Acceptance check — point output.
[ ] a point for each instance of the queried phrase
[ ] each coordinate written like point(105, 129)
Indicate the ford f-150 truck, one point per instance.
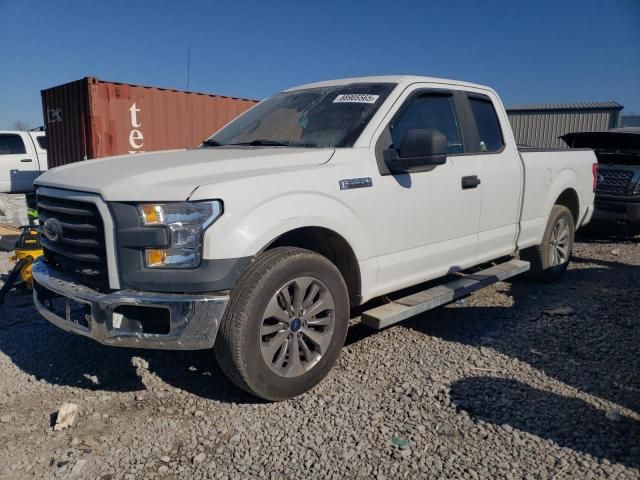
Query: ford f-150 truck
point(319, 199)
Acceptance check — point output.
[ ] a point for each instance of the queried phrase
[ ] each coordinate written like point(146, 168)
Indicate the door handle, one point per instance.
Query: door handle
point(25, 160)
point(472, 181)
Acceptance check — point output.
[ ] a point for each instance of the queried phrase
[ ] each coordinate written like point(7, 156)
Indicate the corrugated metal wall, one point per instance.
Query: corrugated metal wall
point(541, 128)
point(630, 121)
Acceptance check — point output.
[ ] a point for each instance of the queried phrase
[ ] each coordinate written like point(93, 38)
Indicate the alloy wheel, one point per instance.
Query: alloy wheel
point(297, 326)
point(559, 243)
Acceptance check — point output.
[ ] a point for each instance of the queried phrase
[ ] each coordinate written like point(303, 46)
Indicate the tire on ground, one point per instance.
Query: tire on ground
point(237, 346)
point(539, 255)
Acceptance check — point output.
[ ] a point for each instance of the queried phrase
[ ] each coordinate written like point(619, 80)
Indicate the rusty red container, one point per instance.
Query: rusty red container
point(91, 118)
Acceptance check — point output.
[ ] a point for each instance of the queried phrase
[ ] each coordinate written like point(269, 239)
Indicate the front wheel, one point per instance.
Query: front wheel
point(285, 324)
point(550, 259)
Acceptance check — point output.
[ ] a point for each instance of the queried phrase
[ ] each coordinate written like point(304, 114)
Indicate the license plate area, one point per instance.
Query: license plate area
point(75, 312)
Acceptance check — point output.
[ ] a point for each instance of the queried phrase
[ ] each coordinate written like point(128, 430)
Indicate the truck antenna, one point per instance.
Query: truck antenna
point(186, 139)
point(188, 65)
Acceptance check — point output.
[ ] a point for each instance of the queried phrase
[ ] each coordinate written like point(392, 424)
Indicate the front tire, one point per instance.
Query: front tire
point(285, 324)
point(550, 259)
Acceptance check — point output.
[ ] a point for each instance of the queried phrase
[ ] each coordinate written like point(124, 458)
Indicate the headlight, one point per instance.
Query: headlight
point(186, 222)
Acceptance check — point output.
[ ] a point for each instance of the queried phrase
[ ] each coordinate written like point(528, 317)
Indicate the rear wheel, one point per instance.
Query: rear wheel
point(550, 259)
point(285, 324)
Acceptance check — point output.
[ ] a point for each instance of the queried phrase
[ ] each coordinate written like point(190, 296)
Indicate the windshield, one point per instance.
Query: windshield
point(316, 117)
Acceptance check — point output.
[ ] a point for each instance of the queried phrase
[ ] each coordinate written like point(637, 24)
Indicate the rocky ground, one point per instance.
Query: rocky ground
point(13, 209)
point(518, 381)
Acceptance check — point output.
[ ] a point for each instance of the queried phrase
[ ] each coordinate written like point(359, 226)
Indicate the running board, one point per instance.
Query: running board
point(405, 307)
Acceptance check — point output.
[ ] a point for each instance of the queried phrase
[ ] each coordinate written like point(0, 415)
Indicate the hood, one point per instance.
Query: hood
point(617, 138)
point(173, 175)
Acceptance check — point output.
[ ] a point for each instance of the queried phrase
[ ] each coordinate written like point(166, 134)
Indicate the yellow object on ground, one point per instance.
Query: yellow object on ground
point(28, 246)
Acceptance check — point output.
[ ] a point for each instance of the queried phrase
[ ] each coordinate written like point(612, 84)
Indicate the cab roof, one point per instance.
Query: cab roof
point(397, 79)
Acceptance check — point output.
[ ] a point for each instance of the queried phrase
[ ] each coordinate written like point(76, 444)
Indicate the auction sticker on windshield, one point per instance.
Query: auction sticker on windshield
point(356, 98)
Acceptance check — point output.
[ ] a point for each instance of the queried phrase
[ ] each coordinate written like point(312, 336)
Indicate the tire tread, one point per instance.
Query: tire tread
point(228, 348)
point(537, 255)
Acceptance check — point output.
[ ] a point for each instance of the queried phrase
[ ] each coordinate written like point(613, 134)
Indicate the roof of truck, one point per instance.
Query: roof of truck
point(389, 79)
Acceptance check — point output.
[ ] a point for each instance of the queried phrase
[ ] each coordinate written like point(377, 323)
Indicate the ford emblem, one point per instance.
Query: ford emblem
point(52, 229)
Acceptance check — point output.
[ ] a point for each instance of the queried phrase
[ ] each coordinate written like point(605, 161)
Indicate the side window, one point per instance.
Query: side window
point(428, 111)
point(488, 125)
point(42, 141)
point(11, 144)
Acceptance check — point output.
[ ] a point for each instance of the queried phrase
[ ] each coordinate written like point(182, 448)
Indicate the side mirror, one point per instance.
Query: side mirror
point(419, 150)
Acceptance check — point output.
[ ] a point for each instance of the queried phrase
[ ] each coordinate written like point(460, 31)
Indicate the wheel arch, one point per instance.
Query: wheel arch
point(569, 198)
point(330, 244)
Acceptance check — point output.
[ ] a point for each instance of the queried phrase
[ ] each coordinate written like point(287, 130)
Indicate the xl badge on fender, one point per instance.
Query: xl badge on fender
point(349, 183)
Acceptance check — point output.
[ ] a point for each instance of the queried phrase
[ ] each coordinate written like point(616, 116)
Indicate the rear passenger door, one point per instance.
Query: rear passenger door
point(18, 165)
point(41, 144)
point(501, 174)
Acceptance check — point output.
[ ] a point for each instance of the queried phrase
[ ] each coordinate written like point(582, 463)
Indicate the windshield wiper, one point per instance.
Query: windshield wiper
point(210, 143)
point(274, 143)
point(263, 143)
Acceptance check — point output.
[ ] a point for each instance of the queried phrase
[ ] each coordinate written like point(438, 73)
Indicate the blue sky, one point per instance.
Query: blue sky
point(530, 51)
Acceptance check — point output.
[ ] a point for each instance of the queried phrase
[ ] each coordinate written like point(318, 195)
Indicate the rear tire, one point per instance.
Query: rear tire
point(285, 324)
point(550, 259)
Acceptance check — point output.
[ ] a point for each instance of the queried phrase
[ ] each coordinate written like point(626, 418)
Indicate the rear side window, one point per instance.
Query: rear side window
point(42, 141)
point(488, 125)
point(428, 111)
point(11, 144)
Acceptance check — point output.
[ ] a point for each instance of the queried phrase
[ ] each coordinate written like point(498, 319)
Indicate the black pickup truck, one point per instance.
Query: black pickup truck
point(618, 190)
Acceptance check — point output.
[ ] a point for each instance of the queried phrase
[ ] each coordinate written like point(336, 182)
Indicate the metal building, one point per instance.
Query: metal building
point(540, 125)
point(630, 121)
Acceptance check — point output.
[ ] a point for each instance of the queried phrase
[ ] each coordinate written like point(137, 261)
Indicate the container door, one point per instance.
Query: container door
point(66, 117)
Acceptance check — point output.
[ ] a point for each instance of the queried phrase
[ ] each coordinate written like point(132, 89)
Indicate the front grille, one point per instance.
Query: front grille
point(79, 249)
point(614, 182)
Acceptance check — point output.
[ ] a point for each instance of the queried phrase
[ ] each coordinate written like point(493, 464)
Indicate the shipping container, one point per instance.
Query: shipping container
point(91, 118)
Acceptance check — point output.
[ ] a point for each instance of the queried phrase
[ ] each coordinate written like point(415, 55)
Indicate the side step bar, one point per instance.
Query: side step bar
point(403, 308)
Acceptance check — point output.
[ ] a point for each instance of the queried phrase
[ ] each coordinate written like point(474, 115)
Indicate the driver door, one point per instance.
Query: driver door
point(427, 220)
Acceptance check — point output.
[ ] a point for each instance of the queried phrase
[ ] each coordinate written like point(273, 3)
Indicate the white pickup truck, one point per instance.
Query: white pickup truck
point(23, 156)
point(319, 199)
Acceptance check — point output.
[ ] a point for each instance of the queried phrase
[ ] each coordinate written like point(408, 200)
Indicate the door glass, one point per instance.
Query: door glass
point(429, 112)
point(11, 144)
point(488, 125)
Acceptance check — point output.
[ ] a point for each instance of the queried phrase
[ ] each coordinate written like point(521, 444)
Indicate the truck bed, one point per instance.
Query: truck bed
point(527, 149)
point(554, 171)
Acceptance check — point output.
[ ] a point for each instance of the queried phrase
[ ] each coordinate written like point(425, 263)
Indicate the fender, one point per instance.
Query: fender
point(565, 179)
point(247, 233)
point(536, 211)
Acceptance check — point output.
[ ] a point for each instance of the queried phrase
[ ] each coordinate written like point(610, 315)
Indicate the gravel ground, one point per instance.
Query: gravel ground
point(13, 209)
point(518, 381)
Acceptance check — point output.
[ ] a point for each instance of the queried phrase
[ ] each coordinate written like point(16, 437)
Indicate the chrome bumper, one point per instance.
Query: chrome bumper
point(189, 321)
